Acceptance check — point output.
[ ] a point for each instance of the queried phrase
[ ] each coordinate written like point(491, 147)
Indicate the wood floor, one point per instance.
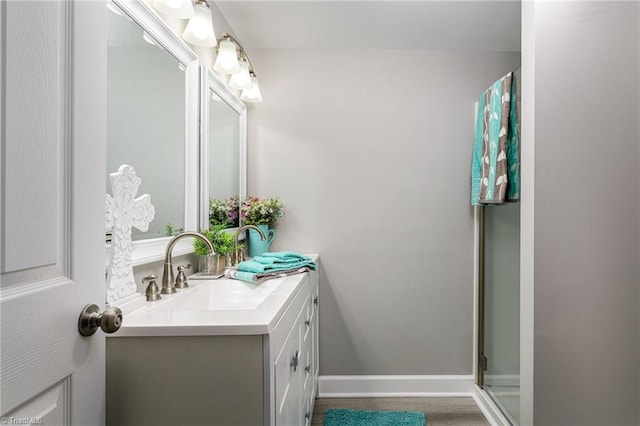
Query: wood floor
point(438, 411)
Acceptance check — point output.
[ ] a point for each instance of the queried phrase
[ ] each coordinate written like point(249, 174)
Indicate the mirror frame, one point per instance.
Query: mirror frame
point(151, 250)
point(211, 82)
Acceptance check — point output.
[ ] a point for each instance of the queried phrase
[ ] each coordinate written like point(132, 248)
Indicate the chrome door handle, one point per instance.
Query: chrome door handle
point(91, 318)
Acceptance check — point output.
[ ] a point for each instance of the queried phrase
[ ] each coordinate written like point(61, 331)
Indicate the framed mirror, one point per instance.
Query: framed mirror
point(223, 148)
point(153, 98)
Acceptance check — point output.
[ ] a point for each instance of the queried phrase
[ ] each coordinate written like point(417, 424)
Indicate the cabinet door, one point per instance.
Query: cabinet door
point(287, 380)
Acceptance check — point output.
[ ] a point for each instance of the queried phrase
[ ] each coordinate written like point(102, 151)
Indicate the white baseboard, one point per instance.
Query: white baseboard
point(395, 386)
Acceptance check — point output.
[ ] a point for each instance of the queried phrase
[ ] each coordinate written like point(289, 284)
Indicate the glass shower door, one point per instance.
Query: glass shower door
point(501, 316)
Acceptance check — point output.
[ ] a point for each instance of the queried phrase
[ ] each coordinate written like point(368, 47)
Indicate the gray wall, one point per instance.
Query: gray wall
point(586, 230)
point(370, 151)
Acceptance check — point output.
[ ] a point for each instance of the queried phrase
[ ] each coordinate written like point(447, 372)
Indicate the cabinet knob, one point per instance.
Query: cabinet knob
point(315, 300)
point(307, 368)
point(294, 361)
point(307, 323)
point(307, 415)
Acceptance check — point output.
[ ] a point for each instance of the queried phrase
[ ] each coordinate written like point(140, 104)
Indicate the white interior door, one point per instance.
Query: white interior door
point(53, 112)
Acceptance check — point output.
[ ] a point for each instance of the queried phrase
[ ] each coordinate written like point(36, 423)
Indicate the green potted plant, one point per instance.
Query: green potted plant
point(223, 243)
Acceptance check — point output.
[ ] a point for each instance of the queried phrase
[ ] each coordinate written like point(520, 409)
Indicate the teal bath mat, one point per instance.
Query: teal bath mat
point(345, 417)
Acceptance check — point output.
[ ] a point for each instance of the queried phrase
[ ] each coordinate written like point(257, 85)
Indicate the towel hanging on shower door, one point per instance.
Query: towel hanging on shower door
point(495, 170)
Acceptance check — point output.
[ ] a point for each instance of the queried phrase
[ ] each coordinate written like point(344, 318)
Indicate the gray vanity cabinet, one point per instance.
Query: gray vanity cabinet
point(254, 379)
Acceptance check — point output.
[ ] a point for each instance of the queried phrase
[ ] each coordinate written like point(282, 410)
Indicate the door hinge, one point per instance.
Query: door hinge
point(483, 362)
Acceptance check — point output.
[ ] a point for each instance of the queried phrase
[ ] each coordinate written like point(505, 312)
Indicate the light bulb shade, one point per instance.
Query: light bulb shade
point(227, 59)
point(241, 80)
point(253, 94)
point(199, 31)
point(182, 9)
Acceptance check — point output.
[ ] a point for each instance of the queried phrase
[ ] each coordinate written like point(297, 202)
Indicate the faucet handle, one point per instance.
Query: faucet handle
point(181, 279)
point(152, 292)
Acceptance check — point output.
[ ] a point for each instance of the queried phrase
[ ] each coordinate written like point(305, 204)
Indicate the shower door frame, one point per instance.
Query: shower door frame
point(480, 359)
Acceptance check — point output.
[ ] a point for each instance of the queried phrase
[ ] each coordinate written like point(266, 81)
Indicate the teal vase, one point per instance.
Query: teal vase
point(258, 246)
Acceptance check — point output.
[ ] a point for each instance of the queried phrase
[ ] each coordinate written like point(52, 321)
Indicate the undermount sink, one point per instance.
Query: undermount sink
point(214, 307)
point(222, 294)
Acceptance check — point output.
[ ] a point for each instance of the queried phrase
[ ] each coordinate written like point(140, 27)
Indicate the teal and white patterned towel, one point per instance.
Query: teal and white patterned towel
point(256, 278)
point(495, 169)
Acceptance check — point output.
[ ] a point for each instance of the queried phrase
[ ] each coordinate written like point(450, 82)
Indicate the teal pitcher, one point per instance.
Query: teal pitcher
point(256, 245)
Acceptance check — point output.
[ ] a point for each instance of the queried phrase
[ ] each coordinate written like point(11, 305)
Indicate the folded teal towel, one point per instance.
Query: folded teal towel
point(285, 256)
point(257, 267)
point(279, 261)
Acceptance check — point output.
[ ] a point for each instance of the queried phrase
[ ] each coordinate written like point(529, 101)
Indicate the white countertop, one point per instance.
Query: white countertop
point(215, 307)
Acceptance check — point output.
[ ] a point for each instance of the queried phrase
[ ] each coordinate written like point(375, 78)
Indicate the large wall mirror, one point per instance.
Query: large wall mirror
point(153, 98)
point(146, 120)
point(223, 149)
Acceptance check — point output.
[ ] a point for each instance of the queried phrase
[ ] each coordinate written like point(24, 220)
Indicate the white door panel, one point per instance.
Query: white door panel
point(35, 92)
point(53, 168)
point(51, 407)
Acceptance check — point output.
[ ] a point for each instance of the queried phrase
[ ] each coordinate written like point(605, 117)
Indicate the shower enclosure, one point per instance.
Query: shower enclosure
point(499, 307)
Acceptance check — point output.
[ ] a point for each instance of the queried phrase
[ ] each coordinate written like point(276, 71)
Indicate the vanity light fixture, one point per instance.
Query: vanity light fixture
point(242, 79)
point(252, 94)
point(199, 31)
point(227, 59)
point(181, 9)
point(232, 59)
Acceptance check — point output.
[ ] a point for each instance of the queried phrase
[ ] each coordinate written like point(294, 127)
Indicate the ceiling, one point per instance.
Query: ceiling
point(361, 24)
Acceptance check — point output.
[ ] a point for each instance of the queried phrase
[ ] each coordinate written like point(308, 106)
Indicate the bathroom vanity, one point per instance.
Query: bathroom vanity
point(220, 352)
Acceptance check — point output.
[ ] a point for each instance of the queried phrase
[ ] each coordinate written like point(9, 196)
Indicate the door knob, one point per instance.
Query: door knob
point(91, 318)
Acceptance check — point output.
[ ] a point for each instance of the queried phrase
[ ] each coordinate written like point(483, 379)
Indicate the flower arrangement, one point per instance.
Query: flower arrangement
point(224, 212)
point(261, 212)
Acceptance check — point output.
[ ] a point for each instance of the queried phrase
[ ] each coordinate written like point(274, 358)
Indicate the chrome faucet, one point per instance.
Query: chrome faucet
point(168, 284)
point(242, 228)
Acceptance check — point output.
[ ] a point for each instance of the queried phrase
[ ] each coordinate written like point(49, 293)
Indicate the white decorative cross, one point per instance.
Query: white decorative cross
point(123, 212)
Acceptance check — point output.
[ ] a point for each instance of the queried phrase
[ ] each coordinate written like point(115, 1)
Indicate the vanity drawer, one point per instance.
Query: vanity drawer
point(289, 317)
